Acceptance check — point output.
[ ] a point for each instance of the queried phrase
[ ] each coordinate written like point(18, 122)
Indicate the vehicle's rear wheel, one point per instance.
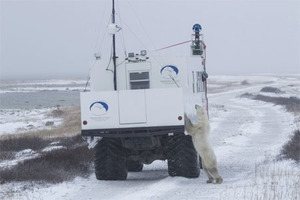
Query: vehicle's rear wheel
point(183, 160)
point(110, 164)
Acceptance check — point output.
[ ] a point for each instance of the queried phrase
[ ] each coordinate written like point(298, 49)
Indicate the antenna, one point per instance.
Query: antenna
point(114, 47)
point(197, 48)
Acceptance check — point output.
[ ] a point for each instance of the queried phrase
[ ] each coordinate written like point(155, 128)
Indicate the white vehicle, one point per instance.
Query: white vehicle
point(134, 113)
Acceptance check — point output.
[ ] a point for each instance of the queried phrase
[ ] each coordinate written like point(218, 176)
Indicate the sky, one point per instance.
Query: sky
point(58, 39)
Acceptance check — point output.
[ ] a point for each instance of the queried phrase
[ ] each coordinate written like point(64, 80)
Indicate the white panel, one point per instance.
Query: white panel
point(164, 106)
point(177, 78)
point(101, 79)
point(132, 106)
point(99, 109)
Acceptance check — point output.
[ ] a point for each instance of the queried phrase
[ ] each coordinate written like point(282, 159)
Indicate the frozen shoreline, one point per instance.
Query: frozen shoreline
point(17, 121)
point(27, 105)
point(41, 85)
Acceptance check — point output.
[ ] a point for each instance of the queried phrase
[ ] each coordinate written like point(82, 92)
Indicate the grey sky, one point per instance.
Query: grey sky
point(57, 39)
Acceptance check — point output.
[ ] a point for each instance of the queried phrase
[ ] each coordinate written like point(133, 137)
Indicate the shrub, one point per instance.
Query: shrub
point(248, 95)
point(291, 150)
point(54, 167)
point(36, 143)
point(245, 82)
point(6, 155)
point(271, 90)
point(292, 104)
point(21, 143)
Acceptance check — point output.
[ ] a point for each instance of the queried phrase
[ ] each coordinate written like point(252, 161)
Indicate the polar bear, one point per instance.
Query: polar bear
point(200, 137)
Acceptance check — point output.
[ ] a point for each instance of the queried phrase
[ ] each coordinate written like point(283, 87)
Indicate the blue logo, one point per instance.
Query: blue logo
point(99, 108)
point(169, 71)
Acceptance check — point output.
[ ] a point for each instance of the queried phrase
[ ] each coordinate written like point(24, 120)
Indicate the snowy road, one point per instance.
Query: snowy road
point(245, 133)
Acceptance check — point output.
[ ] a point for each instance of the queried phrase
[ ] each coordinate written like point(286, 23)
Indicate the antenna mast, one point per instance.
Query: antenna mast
point(114, 47)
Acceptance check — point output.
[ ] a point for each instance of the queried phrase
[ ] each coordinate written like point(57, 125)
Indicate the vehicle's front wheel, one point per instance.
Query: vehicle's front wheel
point(110, 164)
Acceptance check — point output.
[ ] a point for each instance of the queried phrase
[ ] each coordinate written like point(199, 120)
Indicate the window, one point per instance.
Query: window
point(193, 74)
point(139, 80)
point(200, 86)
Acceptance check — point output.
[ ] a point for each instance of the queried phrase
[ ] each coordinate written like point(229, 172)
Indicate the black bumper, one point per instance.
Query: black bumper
point(133, 132)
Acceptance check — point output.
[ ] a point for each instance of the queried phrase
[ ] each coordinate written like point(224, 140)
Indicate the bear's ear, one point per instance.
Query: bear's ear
point(197, 106)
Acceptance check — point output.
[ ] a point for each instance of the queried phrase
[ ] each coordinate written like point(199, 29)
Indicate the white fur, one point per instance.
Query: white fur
point(200, 136)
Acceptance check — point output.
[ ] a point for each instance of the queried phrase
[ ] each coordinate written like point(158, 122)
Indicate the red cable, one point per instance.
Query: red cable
point(173, 45)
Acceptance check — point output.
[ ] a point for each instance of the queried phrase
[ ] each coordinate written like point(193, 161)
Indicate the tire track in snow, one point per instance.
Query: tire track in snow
point(250, 131)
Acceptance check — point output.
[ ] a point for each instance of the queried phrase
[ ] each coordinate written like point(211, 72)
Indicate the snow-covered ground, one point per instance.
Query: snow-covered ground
point(14, 121)
point(247, 136)
point(27, 104)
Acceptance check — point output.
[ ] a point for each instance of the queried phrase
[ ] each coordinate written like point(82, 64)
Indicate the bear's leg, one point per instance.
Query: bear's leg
point(210, 178)
point(214, 172)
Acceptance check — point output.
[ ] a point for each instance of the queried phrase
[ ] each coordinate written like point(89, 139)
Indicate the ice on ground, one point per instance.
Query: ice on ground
point(24, 153)
point(20, 156)
point(52, 148)
point(14, 121)
point(41, 85)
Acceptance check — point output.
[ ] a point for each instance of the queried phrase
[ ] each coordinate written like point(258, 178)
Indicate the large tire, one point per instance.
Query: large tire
point(134, 166)
point(110, 164)
point(183, 160)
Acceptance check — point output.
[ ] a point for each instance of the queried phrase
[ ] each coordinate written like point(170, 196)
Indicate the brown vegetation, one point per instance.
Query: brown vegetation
point(292, 104)
point(53, 166)
point(69, 127)
point(291, 150)
point(58, 165)
point(271, 90)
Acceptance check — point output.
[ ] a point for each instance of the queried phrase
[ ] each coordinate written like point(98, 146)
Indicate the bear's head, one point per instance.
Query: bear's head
point(201, 112)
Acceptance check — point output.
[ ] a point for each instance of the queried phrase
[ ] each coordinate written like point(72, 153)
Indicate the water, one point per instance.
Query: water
point(35, 94)
point(41, 99)
point(25, 105)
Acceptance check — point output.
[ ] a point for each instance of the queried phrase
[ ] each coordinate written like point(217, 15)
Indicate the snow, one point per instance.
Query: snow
point(247, 136)
point(41, 85)
point(46, 88)
point(14, 121)
point(51, 148)
point(20, 156)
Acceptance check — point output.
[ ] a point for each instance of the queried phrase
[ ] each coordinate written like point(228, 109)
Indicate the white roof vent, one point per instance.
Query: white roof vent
point(143, 52)
point(113, 29)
